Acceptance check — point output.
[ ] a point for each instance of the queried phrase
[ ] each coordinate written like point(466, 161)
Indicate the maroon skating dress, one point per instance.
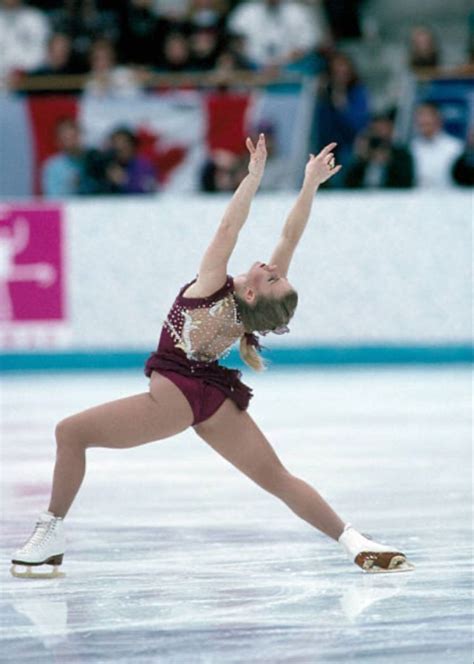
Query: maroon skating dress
point(197, 332)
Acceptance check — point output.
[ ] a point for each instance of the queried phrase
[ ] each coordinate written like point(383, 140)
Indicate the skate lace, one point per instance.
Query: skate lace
point(42, 534)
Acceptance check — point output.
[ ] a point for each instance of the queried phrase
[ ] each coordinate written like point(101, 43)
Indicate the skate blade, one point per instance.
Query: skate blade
point(384, 562)
point(29, 574)
point(402, 567)
point(54, 561)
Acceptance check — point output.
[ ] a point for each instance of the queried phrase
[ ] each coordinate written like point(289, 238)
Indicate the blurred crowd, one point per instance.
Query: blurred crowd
point(368, 149)
point(118, 44)
point(116, 168)
point(128, 38)
point(432, 159)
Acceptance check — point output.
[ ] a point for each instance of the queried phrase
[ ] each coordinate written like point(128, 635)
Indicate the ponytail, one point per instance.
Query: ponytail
point(249, 352)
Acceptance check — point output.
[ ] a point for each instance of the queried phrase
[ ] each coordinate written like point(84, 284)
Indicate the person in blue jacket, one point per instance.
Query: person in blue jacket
point(342, 110)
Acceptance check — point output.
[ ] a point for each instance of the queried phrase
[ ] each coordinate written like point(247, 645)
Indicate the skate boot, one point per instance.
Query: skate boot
point(45, 547)
point(371, 556)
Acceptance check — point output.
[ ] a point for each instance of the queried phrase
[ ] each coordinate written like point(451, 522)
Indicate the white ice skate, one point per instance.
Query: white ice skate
point(45, 547)
point(371, 556)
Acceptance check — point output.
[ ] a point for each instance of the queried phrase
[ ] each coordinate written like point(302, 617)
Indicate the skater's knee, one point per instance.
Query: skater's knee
point(67, 431)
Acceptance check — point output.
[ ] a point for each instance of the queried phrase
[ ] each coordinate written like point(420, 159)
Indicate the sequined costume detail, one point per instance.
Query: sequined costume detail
point(198, 332)
point(207, 331)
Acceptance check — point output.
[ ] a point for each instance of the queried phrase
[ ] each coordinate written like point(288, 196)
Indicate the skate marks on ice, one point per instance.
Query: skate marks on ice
point(173, 556)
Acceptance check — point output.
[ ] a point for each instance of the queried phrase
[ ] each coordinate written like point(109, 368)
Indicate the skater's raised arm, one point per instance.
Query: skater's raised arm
point(213, 267)
point(238, 209)
point(318, 169)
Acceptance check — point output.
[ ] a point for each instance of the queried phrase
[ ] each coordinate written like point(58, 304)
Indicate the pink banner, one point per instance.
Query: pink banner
point(32, 276)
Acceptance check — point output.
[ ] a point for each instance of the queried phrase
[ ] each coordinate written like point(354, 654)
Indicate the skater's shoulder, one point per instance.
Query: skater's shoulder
point(207, 287)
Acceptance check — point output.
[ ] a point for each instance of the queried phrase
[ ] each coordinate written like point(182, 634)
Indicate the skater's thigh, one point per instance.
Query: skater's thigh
point(235, 435)
point(142, 418)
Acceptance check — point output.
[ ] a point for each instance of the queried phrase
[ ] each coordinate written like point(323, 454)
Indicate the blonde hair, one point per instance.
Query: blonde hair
point(267, 313)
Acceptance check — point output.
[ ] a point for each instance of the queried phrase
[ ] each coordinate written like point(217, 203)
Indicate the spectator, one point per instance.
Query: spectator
point(176, 53)
point(141, 34)
point(276, 32)
point(45, 5)
point(205, 49)
point(173, 10)
point(342, 110)
point(124, 171)
point(433, 149)
point(207, 14)
point(378, 161)
point(423, 48)
point(106, 79)
point(85, 22)
point(172, 18)
point(23, 40)
point(223, 172)
point(343, 17)
point(470, 40)
point(463, 168)
point(58, 57)
point(62, 173)
point(233, 58)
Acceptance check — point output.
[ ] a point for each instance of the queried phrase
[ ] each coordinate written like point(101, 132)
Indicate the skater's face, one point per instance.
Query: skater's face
point(266, 280)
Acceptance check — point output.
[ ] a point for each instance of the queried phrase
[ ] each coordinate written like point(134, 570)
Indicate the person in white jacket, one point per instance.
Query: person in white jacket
point(24, 34)
point(276, 32)
point(434, 150)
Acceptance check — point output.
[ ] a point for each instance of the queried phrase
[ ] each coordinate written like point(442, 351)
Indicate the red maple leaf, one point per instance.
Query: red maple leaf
point(164, 159)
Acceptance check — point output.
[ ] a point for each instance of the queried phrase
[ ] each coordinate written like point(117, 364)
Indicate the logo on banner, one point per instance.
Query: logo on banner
point(32, 279)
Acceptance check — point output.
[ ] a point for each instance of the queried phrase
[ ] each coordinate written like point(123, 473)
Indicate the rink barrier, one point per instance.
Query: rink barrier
point(375, 269)
point(328, 355)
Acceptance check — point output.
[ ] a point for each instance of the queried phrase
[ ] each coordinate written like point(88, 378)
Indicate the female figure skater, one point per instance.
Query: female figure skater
point(188, 387)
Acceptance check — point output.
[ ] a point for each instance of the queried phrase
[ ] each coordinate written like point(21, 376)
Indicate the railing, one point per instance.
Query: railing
point(151, 80)
point(431, 73)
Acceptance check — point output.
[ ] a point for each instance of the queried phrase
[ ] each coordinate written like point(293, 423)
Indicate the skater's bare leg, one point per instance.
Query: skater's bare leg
point(234, 434)
point(154, 415)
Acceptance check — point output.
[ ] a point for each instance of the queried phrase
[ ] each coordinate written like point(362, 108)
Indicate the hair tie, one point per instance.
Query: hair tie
point(252, 340)
point(282, 329)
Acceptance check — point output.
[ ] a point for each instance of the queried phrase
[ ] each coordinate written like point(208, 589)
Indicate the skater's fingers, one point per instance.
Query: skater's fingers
point(336, 169)
point(327, 149)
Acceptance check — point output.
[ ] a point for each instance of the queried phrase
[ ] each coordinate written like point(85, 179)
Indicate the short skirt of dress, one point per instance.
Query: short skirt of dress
point(205, 385)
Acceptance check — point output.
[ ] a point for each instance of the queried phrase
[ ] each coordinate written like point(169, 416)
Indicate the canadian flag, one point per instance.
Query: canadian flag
point(177, 130)
point(171, 129)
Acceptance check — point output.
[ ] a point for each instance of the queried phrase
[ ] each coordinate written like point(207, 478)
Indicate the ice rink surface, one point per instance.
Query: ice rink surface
point(173, 556)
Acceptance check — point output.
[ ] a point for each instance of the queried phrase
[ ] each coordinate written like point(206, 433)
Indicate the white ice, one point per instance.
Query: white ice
point(174, 556)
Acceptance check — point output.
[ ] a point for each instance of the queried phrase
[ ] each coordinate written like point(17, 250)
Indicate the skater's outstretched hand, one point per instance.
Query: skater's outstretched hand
point(321, 167)
point(258, 155)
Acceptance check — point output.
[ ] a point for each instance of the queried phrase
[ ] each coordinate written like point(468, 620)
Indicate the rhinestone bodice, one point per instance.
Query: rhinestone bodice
point(204, 328)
